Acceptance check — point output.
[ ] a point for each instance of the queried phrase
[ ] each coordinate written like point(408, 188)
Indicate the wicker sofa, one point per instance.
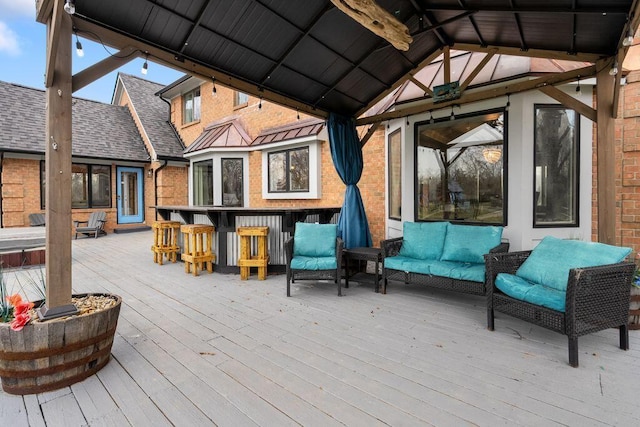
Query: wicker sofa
point(571, 287)
point(441, 255)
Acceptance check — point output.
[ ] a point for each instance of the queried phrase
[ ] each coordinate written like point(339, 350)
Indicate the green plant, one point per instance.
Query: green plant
point(6, 309)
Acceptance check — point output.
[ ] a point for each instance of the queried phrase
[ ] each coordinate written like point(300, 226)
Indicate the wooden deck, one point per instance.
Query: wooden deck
point(215, 350)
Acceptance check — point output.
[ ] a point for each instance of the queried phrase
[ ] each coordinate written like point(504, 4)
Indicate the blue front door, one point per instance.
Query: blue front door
point(130, 195)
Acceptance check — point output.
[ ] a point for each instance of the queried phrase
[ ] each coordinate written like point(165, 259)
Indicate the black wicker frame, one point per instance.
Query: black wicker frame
point(391, 247)
point(296, 274)
point(597, 299)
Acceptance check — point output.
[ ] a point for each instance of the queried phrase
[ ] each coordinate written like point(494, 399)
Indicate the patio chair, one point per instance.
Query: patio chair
point(94, 225)
point(568, 286)
point(314, 253)
point(37, 220)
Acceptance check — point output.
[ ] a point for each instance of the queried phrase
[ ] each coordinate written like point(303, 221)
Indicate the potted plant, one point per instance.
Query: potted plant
point(38, 356)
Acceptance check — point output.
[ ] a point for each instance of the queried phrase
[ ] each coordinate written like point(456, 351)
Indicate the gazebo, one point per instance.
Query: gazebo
point(323, 57)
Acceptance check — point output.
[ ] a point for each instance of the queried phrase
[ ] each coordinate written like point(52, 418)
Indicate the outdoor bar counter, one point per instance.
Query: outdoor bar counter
point(281, 222)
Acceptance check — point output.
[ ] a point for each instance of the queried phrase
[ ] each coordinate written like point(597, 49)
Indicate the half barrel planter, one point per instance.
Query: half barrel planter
point(49, 355)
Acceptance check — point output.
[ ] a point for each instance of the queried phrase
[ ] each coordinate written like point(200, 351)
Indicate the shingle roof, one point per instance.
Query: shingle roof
point(224, 133)
point(102, 131)
point(153, 113)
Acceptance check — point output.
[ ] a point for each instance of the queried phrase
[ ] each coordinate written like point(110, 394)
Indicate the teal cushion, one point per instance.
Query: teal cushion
point(314, 263)
point(550, 261)
point(521, 289)
point(315, 240)
point(469, 243)
point(458, 270)
point(423, 240)
point(404, 263)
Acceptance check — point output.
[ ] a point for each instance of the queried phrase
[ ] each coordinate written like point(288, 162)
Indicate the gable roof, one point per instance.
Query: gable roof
point(153, 114)
point(100, 131)
point(224, 133)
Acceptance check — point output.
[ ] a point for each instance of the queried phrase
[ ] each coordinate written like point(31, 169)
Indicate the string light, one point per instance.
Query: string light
point(628, 40)
point(506, 107)
point(79, 50)
point(614, 69)
point(578, 90)
point(297, 114)
point(431, 118)
point(260, 104)
point(452, 116)
point(214, 90)
point(407, 120)
point(145, 66)
point(70, 7)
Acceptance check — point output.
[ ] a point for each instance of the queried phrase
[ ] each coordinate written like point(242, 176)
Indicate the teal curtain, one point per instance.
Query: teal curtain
point(346, 151)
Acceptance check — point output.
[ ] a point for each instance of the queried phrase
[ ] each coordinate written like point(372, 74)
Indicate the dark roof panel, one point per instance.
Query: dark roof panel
point(101, 131)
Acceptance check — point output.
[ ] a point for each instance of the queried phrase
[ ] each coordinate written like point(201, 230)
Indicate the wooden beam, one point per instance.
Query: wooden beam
point(606, 163)
point(477, 70)
point(570, 102)
point(104, 67)
point(161, 56)
point(422, 86)
point(447, 65)
point(58, 170)
point(44, 10)
point(481, 95)
point(372, 129)
point(53, 39)
point(401, 80)
point(377, 20)
point(529, 53)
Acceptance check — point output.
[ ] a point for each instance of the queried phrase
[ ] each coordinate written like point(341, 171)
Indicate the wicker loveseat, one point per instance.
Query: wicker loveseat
point(441, 255)
point(571, 287)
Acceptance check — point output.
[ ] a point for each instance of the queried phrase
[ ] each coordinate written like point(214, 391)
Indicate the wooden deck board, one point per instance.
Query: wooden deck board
point(215, 350)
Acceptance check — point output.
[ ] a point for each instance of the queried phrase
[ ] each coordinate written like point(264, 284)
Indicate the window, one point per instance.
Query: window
point(556, 166)
point(90, 185)
point(289, 170)
point(395, 175)
point(203, 183)
point(240, 99)
point(461, 172)
point(191, 106)
point(232, 194)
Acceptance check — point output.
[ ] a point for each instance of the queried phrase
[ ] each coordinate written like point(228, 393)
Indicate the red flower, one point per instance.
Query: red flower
point(19, 321)
point(22, 308)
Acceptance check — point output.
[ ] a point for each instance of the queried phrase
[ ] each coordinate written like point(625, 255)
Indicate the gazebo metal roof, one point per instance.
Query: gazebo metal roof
point(311, 56)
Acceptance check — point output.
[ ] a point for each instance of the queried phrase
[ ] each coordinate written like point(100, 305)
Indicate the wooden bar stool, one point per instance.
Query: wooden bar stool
point(165, 240)
point(197, 240)
point(247, 260)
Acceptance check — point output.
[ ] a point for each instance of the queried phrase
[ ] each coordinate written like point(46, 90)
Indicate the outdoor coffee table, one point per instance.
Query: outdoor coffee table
point(363, 254)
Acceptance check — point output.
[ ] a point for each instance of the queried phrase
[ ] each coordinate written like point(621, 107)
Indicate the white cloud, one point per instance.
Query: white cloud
point(18, 8)
point(8, 40)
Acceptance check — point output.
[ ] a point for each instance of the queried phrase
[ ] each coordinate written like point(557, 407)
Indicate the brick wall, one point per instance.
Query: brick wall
point(627, 142)
point(255, 120)
point(20, 191)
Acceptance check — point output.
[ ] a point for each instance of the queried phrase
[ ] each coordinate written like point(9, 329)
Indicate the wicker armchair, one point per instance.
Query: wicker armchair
point(313, 267)
point(597, 298)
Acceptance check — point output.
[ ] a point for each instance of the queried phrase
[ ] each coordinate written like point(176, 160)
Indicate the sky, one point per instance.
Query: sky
point(23, 55)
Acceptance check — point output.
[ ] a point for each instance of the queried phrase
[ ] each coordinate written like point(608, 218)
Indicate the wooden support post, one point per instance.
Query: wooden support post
point(58, 170)
point(606, 166)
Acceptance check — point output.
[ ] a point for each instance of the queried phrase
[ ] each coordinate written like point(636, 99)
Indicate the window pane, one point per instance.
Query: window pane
point(43, 186)
point(79, 186)
point(278, 172)
point(299, 169)
point(196, 104)
point(187, 116)
point(203, 183)
point(556, 167)
point(240, 98)
point(232, 182)
point(460, 169)
point(100, 186)
point(395, 175)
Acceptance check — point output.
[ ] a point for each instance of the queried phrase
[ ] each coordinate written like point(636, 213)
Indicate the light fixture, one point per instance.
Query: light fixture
point(492, 155)
point(578, 89)
point(628, 40)
point(79, 50)
point(214, 90)
point(614, 69)
point(452, 116)
point(145, 66)
point(297, 114)
point(506, 107)
point(407, 120)
point(70, 7)
point(150, 173)
point(260, 104)
point(431, 118)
